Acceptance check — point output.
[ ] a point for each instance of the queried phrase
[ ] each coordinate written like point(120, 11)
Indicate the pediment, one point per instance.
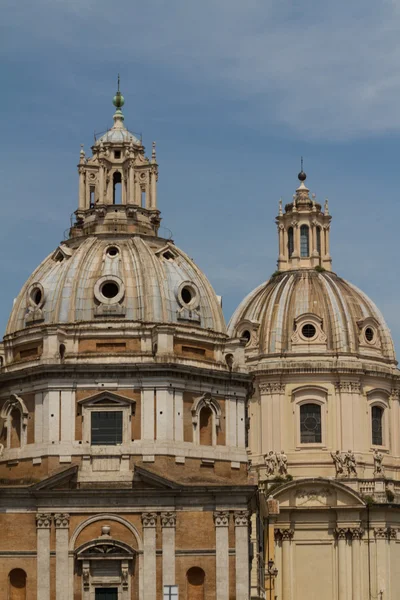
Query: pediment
point(104, 397)
point(145, 479)
point(63, 480)
point(315, 493)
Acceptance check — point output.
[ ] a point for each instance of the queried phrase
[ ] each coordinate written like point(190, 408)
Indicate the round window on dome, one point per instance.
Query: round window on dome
point(188, 295)
point(112, 251)
point(369, 334)
point(36, 295)
point(110, 289)
point(308, 331)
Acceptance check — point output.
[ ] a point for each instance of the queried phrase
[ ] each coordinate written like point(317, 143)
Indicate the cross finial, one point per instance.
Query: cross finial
point(300, 161)
point(119, 81)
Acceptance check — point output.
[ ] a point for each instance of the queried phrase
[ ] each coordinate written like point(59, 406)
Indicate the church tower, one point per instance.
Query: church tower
point(123, 463)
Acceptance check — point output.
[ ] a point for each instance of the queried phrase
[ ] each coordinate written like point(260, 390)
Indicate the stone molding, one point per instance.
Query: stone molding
point(43, 521)
point(168, 519)
point(221, 518)
point(241, 518)
point(61, 520)
point(149, 519)
point(348, 386)
point(271, 388)
point(385, 533)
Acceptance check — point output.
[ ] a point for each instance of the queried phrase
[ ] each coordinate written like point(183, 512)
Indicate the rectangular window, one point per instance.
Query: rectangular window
point(310, 424)
point(106, 594)
point(106, 428)
point(170, 592)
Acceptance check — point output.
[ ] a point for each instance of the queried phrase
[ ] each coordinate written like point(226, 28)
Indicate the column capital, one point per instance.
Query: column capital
point(43, 520)
point(356, 533)
point(381, 533)
point(286, 534)
point(149, 519)
point(241, 518)
point(341, 533)
point(61, 520)
point(168, 519)
point(221, 518)
point(392, 533)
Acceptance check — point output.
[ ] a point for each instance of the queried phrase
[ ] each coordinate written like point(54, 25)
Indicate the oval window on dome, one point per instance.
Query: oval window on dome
point(369, 334)
point(245, 335)
point(308, 331)
point(109, 289)
point(112, 251)
point(36, 295)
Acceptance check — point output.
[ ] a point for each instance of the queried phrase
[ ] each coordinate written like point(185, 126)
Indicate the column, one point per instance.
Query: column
point(287, 536)
point(82, 189)
point(356, 535)
point(154, 189)
point(61, 521)
point(43, 525)
point(241, 520)
point(327, 248)
point(168, 524)
point(101, 184)
point(131, 182)
point(149, 521)
point(221, 520)
point(341, 544)
point(381, 540)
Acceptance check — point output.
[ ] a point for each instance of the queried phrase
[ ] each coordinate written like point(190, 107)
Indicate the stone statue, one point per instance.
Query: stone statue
point(339, 463)
point(281, 460)
point(379, 470)
point(350, 463)
point(1, 449)
point(270, 463)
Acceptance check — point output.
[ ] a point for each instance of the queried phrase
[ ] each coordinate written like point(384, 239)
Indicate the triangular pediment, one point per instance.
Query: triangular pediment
point(104, 397)
point(145, 479)
point(63, 480)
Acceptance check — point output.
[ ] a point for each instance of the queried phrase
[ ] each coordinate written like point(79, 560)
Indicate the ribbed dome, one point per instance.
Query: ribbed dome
point(126, 277)
point(345, 318)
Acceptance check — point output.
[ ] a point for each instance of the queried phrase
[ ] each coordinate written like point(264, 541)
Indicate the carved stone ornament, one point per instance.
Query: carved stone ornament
point(379, 469)
point(149, 519)
point(287, 534)
point(338, 461)
point(221, 518)
point(125, 576)
point(356, 533)
point(43, 521)
point(1, 449)
point(348, 386)
point(61, 520)
point(392, 533)
point(381, 533)
point(341, 533)
point(395, 394)
point(168, 519)
point(313, 495)
point(272, 388)
point(86, 577)
point(241, 518)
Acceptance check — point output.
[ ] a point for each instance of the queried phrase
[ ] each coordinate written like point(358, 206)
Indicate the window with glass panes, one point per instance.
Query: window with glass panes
point(304, 241)
point(170, 592)
point(310, 424)
point(106, 427)
point(377, 418)
point(290, 241)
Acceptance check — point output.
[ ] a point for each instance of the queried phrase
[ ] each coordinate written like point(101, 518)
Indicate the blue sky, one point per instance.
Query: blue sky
point(234, 93)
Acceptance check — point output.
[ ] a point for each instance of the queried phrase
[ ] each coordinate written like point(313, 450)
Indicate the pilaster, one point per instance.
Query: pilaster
point(221, 520)
point(168, 525)
point(43, 526)
point(61, 521)
point(241, 520)
point(149, 522)
point(287, 536)
point(341, 535)
point(356, 535)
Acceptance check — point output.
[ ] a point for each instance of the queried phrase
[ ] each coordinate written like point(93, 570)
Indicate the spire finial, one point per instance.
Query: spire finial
point(326, 206)
point(302, 176)
point(82, 154)
point(153, 152)
point(280, 207)
point(118, 82)
point(118, 99)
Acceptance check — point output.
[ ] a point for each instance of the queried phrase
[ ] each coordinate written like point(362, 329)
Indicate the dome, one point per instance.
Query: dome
point(132, 278)
point(310, 311)
point(118, 136)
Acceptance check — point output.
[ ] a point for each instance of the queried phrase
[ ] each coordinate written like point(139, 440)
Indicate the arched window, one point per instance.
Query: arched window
point(304, 241)
point(290, 242)
point(117, 188)
point(376, 425)
point(15, 434)
point(195, 583)
point(17, 584)
point(206, 424)
point(319, 240)
point(310, 424)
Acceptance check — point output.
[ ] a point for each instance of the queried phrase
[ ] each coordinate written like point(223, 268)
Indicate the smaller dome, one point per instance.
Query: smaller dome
point(312, 312)
point(118, 136)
